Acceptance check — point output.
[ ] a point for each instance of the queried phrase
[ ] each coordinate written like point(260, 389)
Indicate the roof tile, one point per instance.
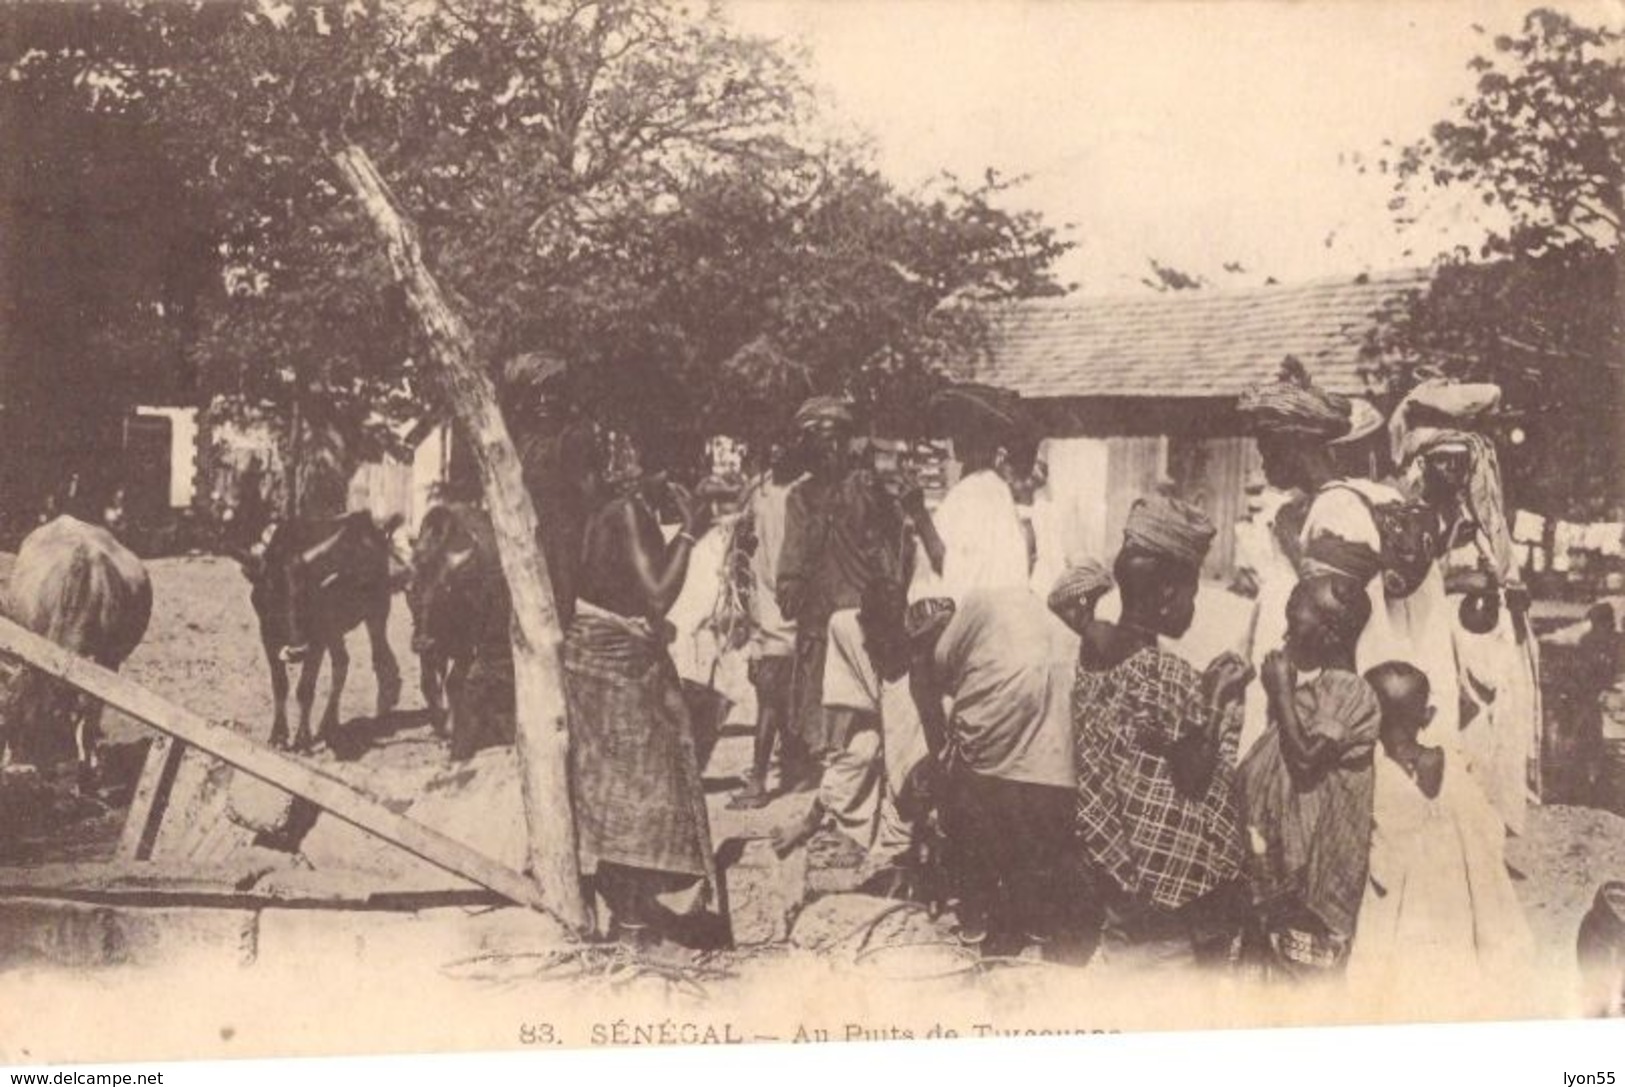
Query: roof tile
point(1186, 344)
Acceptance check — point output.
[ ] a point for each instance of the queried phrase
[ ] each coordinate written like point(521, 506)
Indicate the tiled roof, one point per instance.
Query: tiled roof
point(1194, 344)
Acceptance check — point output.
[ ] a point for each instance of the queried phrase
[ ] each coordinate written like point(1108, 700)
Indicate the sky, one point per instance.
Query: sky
point(1195, 133)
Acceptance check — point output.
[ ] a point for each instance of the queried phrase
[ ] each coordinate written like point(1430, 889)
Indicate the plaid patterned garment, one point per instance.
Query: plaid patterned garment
point(1160, 846)
point(635, 773)
point(1315, 827)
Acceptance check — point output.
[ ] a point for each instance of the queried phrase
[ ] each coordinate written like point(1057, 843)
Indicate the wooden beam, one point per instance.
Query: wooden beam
point(151, 798)
point(224, 742)
point(541, 737)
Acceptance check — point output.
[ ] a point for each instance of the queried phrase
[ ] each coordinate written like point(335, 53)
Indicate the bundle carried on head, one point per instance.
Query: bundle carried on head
point(1437, 412)
point(1169, 528)
point(1292, 406)
point(1364, 421)
point(1077, 584)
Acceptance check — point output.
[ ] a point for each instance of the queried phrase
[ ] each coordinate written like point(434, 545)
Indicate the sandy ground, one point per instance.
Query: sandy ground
point(203, 651)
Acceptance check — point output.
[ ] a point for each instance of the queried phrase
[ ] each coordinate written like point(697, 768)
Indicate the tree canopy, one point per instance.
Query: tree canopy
point(1539, 307)
point(632, 185)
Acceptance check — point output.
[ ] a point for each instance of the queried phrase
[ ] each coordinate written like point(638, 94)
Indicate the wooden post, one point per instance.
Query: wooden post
point(227, 744)
point(151, 798)
point(540, 734)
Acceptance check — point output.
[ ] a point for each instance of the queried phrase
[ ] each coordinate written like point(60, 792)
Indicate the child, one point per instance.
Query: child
point(1439, 906)
point(1306, 785)
point(773, 639)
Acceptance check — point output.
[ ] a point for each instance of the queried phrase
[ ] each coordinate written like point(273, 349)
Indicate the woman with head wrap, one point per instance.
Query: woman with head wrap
point(1306, 786)
point(1357, 528)
point(1454, 469)
point(1156, 747)
point(1295, 425)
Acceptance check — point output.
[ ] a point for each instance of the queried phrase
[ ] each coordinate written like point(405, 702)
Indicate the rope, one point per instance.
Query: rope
point(980, 964)
point(966, 964)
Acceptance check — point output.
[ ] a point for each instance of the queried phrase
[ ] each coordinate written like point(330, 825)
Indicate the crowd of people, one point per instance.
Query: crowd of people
point(958, 703)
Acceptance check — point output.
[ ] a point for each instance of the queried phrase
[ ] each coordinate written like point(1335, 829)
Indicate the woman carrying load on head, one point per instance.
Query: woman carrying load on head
point(1358, 528)
point(1156, 817)
point(1451, 465)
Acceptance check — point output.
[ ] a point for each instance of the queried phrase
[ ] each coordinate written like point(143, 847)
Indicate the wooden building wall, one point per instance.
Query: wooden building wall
point(392, 486)
point(1212, 472)
point(1094, 480)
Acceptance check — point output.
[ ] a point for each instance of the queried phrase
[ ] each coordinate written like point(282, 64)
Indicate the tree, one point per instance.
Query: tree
point(628, 184)
point(512, 129)
point(1540, 140)
point(1539, 307)
point(754, 289)
point(517, 134)
point(102, 262)
point(1166, 278)
point(625, 183)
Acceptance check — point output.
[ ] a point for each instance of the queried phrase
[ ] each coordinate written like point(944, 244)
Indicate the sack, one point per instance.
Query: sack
point(1408, 532)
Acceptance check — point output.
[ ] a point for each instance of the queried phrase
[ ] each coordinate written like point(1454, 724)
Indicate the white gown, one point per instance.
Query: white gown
point(1500, 677)
point(1440, 926)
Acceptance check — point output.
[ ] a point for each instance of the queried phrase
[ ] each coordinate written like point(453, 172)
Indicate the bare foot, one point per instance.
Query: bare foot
point(787, 838)
point(751, 797)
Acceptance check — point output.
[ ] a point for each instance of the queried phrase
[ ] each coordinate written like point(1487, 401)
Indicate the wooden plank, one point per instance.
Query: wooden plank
point(247, 881)
point(74, 877)
point(225, 743)
point(541, 737)
point(151, 798)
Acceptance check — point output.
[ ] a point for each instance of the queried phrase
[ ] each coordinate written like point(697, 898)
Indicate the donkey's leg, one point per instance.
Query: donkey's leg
point(432, 673)
point(384, 665)
point(87, 739)
point(335, 686)
point(279, 695)
point(460, 723)
point(305, 694)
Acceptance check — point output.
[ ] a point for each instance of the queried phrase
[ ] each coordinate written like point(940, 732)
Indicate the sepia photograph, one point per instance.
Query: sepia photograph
point(543, 525)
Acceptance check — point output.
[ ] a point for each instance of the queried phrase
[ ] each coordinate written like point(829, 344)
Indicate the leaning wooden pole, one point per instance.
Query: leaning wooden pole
point(541, 737)
point(225, 742)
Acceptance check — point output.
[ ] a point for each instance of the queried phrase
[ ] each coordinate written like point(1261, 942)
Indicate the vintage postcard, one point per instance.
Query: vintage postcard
point(554, 524)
